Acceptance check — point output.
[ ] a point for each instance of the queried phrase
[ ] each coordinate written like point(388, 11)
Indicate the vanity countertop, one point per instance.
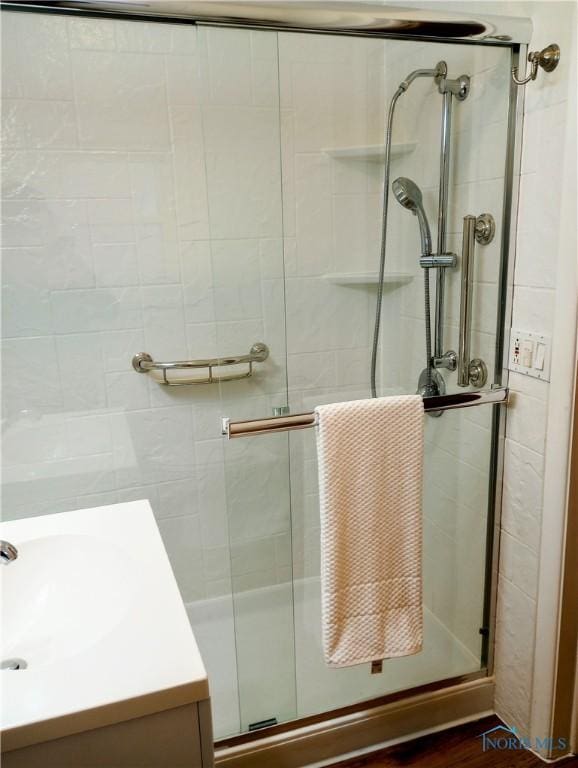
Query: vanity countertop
point(92, 606)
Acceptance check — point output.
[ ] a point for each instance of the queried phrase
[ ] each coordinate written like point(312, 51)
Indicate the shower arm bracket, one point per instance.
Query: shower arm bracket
point(458, 87)
point(449, 360)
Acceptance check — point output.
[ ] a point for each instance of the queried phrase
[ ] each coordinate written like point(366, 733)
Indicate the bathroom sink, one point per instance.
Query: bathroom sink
point(92, 610)
point(46, 616)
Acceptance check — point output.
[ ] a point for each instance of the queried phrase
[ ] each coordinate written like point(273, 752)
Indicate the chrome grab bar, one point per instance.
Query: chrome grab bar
point(468, 246)
point(144, 363)
point(231, 429)
point(480, 229)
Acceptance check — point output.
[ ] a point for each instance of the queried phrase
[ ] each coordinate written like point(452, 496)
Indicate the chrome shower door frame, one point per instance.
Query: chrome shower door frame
point(342, 17)
point(501, 372)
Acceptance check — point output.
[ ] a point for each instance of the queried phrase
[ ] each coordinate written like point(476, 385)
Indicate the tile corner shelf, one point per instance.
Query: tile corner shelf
point(372, 152)
point(368, 278)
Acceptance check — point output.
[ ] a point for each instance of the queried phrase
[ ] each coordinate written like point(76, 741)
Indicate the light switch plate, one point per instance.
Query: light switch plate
point(530, 354)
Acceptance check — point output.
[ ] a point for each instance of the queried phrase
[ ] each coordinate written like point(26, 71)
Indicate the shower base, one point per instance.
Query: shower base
point(243, 639)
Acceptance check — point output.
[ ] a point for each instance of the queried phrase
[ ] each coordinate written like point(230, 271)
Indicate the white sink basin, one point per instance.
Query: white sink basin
point(91, 605)
point(46, 616)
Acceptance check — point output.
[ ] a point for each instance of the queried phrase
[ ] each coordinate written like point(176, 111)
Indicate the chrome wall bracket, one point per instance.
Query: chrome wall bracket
point(478, 372)
point(485, 229)
point(449, 360)
point(547, 59)
point(458, 87)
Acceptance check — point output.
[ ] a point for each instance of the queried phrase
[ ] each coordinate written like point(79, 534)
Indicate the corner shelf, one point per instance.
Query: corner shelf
point(374, 153)
point(368, 278)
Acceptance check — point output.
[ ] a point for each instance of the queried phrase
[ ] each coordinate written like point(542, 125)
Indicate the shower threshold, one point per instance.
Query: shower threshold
point(305, 691)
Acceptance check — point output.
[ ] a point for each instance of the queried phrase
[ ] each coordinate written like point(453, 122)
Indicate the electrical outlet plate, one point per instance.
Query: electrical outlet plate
point(530, 354)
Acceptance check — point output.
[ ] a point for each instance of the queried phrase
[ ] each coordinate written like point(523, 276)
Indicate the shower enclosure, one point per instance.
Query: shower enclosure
point(211, 195)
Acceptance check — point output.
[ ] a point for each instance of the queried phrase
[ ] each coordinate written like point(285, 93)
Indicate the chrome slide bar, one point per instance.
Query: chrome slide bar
point(447, 100)
point(231, 429)
point(144, 363)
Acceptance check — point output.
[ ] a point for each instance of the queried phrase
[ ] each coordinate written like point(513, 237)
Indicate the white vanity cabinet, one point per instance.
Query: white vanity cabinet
point(112, 675)
point(176, 738)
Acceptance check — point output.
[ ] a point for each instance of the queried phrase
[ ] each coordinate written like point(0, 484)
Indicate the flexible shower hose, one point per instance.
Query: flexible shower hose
point(376, 329)
point(388, 129)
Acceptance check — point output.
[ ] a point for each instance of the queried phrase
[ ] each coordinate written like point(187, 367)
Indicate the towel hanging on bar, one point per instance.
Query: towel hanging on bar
point(370, 457)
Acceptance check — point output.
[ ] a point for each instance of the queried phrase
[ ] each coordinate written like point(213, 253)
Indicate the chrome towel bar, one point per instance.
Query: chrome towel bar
point(144, 363)
point(231, 429)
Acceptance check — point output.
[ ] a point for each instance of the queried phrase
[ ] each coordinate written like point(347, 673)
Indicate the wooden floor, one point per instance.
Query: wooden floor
point(461, 746)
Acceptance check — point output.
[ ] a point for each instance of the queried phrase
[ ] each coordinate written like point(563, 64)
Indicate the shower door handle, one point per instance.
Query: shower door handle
point(480, 229)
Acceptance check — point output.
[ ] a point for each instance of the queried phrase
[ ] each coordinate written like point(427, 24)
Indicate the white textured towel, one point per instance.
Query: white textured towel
point(370, 455)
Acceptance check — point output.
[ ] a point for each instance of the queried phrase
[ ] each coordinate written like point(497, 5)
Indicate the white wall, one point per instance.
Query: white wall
point(544, 300)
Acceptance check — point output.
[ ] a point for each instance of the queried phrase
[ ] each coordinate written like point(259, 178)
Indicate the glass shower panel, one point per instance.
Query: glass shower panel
point(241, 124)
point(455, 518)
point(142, 213)
point(332, 132)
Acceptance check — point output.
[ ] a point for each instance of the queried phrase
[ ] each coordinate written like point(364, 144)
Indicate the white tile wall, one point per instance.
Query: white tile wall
point(540, 246)
point(458, 445)
point(333, 208)
point(331, 223)
point(139, 160)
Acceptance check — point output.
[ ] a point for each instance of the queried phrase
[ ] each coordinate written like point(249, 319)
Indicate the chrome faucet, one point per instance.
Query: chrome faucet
point(8, 552)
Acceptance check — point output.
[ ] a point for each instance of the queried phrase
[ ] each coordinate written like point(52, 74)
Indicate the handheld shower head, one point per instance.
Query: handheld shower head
point(408, 194)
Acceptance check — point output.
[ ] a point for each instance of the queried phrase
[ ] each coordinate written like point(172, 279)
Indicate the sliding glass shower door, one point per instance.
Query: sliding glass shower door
point(190, 193)
point(326, 99)
point(251, 659)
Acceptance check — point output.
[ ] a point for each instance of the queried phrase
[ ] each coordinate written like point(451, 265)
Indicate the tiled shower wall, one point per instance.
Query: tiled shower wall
point(458, 445)
point(346, 203)
point(331, 211)
point(144, 212)
point(141, 213)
